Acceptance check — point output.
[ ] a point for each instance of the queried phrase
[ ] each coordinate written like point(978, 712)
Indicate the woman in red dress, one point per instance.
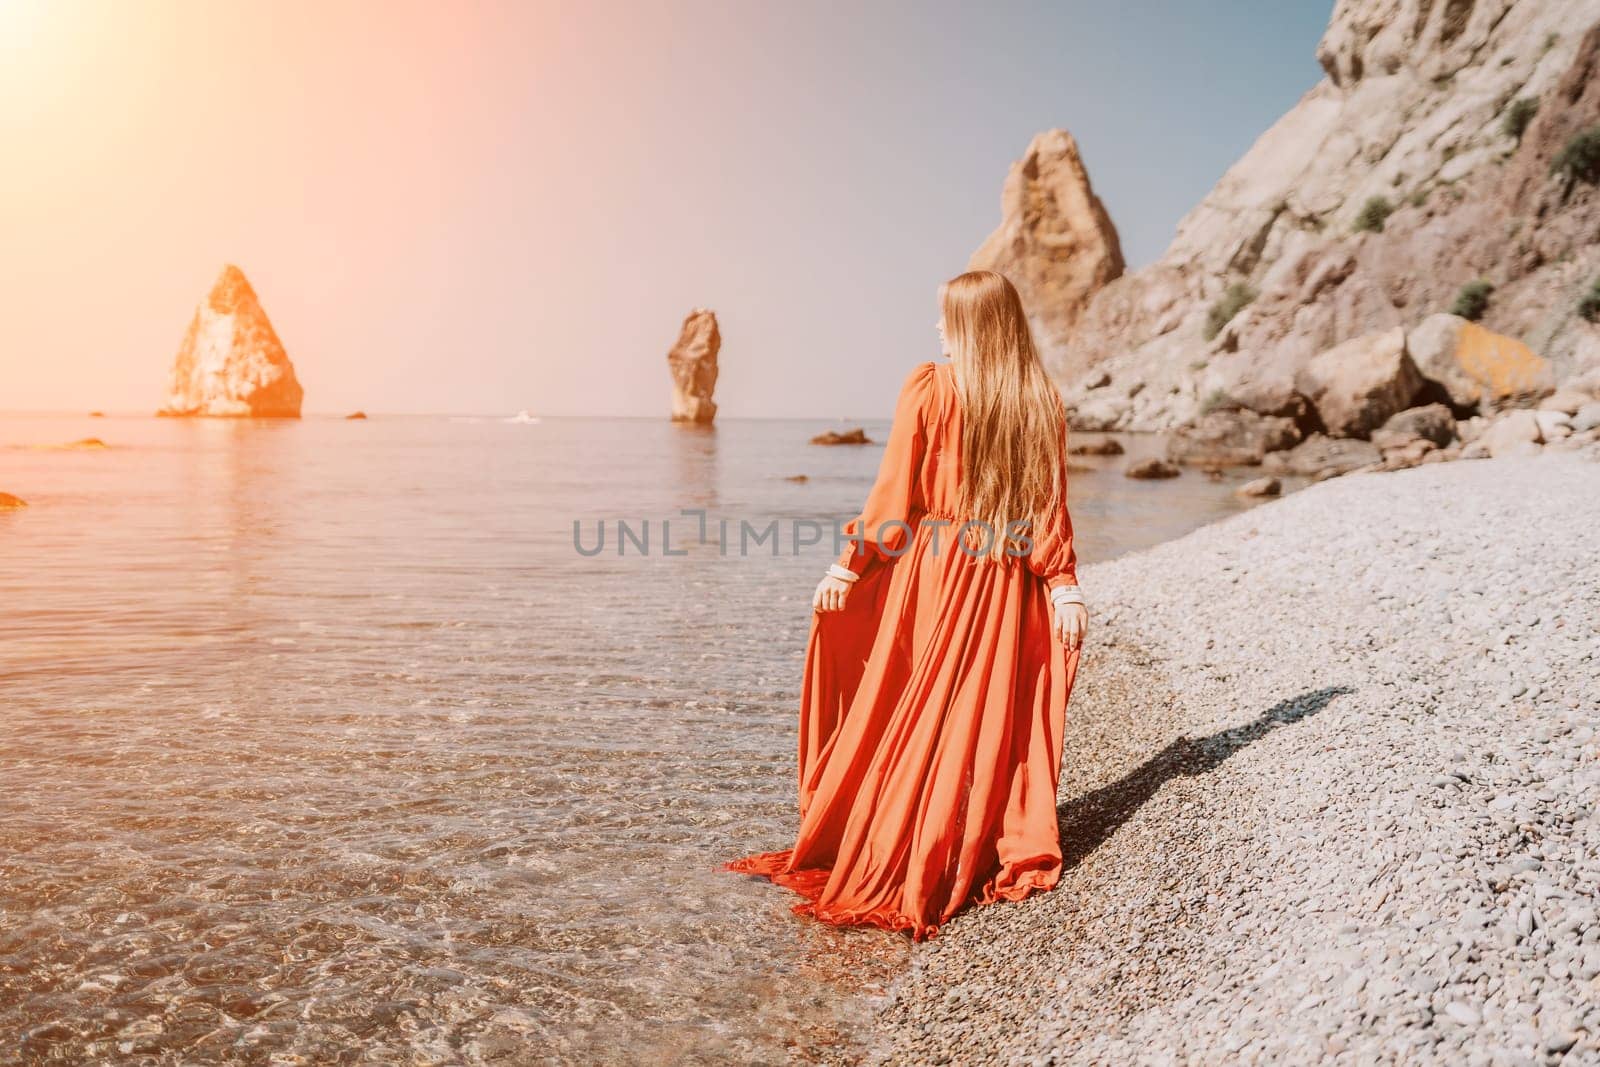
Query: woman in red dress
point(944, 646)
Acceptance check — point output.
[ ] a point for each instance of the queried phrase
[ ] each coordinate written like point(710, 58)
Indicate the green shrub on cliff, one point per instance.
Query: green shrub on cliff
point(1579, 158)
point(1217, 398)
point(1473, 300)
point(1230, 304)
point(1518, 115)
point(1589, 303)
point(1372, 216)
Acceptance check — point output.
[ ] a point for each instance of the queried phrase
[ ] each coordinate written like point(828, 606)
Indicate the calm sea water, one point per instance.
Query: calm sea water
point(320, 740)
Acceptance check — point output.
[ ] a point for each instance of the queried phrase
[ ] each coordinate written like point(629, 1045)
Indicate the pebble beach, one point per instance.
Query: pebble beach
point(1328, 795)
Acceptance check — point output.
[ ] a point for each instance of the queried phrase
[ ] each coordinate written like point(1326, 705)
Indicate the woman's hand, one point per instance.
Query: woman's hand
point(1071, 623)
point(830, 594)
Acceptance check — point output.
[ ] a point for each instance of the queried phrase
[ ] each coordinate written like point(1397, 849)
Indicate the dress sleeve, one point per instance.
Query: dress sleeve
point(881, 530)
point(1053, 557)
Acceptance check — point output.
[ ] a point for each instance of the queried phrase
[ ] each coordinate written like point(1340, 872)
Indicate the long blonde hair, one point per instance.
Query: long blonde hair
point(1012, 429)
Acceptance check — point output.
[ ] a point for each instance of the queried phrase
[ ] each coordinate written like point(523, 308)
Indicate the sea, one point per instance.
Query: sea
point(383, 741)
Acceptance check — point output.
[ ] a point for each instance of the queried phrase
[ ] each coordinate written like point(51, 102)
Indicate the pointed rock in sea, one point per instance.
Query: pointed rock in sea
point(693, 362)
point(231, 362)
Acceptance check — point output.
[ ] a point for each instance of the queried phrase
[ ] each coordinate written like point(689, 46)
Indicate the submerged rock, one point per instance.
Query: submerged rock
point(1055, 240)
point(83, 444)
point(693, 361)
point(356, 415)
point(857, 436)
point(1104, 446)
point(11, 503)
point(1152, 468)
point(231, 362)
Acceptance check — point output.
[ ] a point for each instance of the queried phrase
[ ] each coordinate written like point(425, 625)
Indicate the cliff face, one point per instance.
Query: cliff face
point(1394, 182)
point(693, 362)
point(1055, 241)
point(231, 362)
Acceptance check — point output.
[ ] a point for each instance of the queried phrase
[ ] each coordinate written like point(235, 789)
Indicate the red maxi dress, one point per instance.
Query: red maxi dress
point(933, 704)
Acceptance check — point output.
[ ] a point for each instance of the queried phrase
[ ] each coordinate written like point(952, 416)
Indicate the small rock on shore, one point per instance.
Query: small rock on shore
point(1268, 486)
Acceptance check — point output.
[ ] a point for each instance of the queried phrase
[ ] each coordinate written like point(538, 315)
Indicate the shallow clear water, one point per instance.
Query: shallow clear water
point(321, 740)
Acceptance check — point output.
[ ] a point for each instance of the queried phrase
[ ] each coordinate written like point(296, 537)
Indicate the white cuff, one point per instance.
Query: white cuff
point(1067, 594)
point(844, 574)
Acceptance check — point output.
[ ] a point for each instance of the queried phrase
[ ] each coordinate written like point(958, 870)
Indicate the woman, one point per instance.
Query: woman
point(942, 650)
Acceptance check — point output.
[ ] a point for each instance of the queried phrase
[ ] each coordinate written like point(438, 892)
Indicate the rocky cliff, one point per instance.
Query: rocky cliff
point(231, 362)
point(693, 362)
point(1440, 164)
point(1055, 241)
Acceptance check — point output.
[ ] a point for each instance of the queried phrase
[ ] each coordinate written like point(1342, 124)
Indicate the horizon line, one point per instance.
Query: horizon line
point(345, 416)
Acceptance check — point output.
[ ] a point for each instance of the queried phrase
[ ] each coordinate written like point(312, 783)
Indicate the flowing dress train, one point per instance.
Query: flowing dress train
point(932, 706)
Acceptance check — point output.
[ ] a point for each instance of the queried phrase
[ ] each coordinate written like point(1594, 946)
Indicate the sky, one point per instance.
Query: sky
point(488, 207)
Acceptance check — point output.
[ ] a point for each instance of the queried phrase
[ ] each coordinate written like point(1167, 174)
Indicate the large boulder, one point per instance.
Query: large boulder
point(1268, 390)
point(1231, 438)
point(1477, 367)
point(1567, 400)
point(1587, 418)
point(693, 362)
point(1553, 424)
point(1358, 385)
point(1322, 456)
point(1055, 240)
point(1098, 413)
point(1431, 422)
point(231, 362)
point(1514, 434)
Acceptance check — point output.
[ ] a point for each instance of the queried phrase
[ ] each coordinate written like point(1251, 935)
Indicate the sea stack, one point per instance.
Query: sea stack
point(693, 361)
point(1055, 240)
point(232, 363)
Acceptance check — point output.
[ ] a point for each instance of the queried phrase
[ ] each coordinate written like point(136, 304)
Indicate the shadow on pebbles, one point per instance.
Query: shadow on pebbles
point(1328, 794)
